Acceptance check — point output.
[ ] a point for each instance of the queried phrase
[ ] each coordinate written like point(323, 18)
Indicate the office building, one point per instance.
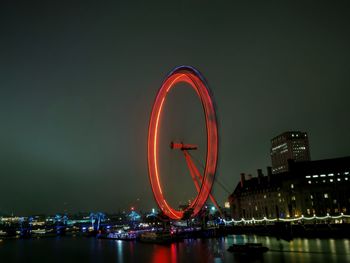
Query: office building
point(291, 145)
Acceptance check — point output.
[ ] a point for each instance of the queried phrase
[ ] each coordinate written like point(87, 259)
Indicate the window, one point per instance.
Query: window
point(293, 198)
point(331, 180)
point(325, 195)
point(292, 186)
point(309, 182)
point(308, 176)
point(315, 176)
point(330, 174)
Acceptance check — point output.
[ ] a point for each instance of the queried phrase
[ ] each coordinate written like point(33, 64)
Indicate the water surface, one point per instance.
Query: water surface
point(80, 249)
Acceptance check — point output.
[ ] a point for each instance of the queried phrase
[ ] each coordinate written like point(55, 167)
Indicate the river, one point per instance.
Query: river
point(80, 249)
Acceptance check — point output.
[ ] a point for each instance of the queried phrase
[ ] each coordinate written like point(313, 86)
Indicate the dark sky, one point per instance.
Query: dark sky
point(78, 79)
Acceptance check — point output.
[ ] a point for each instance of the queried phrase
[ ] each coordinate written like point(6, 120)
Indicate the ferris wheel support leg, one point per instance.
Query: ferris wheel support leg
point(195, 174)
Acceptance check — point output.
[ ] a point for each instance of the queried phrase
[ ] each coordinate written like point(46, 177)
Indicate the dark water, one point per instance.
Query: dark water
point(79, 249)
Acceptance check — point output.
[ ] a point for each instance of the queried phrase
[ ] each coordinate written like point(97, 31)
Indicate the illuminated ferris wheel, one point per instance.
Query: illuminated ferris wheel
point(203, 182)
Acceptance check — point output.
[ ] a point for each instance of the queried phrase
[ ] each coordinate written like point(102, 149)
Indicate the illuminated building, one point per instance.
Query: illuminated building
point(309, 188)
point(291, 145)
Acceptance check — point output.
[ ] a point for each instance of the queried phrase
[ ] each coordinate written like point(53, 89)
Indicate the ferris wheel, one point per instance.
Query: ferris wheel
point(203, 182)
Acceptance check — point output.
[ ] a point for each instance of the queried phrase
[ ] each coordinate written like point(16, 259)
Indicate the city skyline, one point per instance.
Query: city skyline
point(79, 82)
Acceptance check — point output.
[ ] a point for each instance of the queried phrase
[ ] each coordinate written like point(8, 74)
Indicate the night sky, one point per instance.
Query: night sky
point(78, 80)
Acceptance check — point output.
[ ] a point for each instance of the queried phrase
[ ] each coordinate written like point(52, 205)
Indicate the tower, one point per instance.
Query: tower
point(289, 145)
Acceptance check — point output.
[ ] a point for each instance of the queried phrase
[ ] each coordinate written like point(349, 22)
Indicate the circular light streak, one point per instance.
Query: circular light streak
point(192, 77)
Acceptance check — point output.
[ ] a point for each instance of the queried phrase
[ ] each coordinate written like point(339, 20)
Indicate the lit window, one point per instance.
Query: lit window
point(311, 197)
point(324, 181)
point(292, 186)
point(308, 176)
point(330, 174)
point(265, 196)
point(315, 176)
point(331, 180)
point(325, 195)
point(279, 194)
point(346, 178)
point(309, 182)
point(323, 175)
point(293, 198)
point(338, 179)
point(346, 173)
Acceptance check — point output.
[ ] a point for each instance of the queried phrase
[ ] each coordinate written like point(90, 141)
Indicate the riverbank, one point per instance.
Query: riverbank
point(295, 230)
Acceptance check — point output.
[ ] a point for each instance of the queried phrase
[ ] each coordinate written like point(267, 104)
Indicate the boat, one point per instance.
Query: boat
point(246, 248)
point(118, 236)
point(156, 237)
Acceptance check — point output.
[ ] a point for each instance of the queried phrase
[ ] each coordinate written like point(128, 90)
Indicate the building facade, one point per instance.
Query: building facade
point(291, 145)
point(307, 189)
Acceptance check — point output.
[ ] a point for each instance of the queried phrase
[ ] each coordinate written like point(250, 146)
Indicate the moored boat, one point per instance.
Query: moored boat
point(156, 237)
point(118, 236)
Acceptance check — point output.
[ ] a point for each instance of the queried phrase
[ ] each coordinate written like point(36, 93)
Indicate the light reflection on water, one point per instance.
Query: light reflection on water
point(191, 250)
point(347, 246)
point(318, 243)
point(120, 250)
point(332, 245)
point(306, 245)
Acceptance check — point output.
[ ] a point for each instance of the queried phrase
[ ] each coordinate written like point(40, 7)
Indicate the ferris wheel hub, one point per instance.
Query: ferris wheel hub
point(183, 146)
